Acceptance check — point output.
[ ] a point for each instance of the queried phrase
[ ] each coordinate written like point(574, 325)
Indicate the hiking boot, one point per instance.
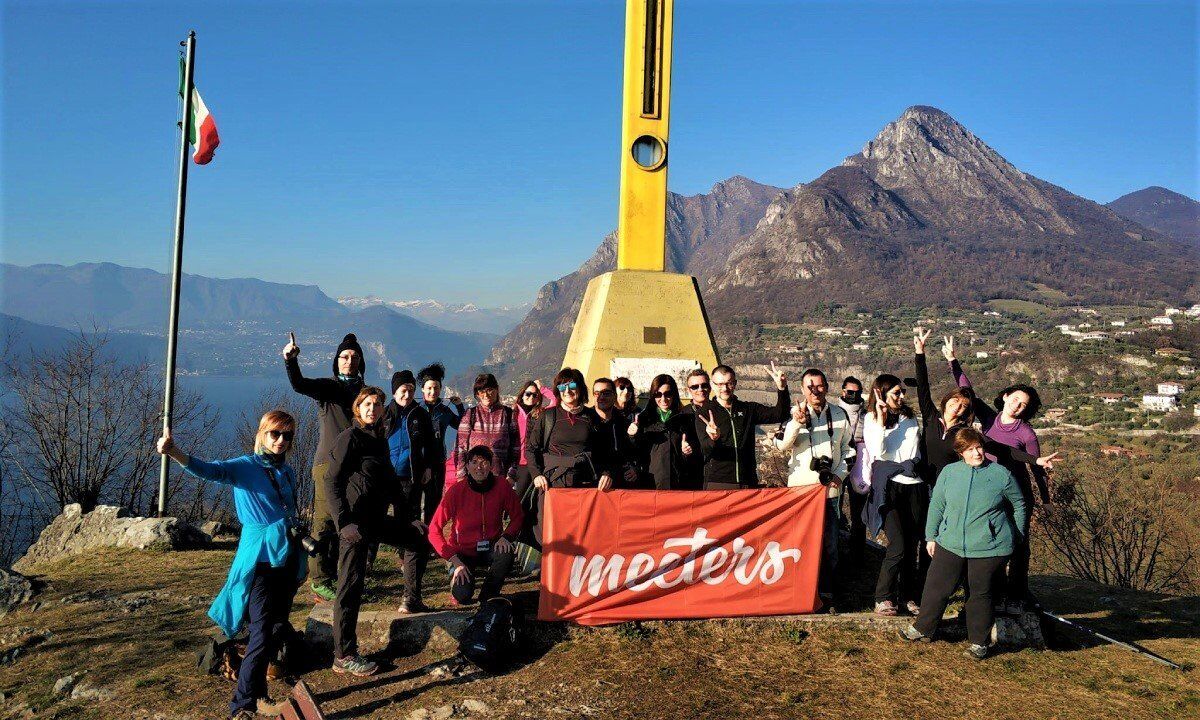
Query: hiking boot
point(912, 608)
point(267, 707)
point(911, 634)
point(410, 606)
point(887, 608)
point(323, 591)
point(355, 665)
point(976, 652)
point(828, 607)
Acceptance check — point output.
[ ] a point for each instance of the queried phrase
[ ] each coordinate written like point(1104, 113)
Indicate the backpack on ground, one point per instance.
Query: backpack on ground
point(490, 640)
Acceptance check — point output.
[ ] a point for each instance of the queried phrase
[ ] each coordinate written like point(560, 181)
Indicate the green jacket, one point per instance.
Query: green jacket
point(976, 512)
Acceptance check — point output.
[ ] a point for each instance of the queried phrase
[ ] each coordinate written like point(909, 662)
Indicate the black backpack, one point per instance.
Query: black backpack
point(490, 640)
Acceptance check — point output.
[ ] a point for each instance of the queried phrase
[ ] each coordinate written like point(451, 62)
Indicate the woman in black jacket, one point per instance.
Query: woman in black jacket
point(360, 485)
point(665, 441)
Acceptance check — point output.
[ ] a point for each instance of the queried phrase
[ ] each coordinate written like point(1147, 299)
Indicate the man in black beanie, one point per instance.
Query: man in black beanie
point(334, 398)
point(410, 445)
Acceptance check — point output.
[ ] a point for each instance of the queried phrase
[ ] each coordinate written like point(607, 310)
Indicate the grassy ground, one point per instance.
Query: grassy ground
point(132, 621)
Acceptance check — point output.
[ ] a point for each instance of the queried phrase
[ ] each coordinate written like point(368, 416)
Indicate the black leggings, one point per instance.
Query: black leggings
point(945, 572)
point(904, 524)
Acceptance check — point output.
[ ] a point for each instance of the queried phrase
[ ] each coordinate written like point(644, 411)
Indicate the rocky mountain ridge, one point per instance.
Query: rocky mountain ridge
point(926, 213)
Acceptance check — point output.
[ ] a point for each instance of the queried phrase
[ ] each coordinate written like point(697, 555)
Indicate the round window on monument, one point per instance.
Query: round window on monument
point(648, 152)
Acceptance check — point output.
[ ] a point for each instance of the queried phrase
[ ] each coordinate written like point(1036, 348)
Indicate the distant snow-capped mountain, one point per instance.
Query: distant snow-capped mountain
point(463, 317)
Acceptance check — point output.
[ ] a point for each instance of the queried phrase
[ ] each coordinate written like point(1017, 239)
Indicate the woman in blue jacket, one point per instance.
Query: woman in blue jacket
point(266, 567)
point(974, 520)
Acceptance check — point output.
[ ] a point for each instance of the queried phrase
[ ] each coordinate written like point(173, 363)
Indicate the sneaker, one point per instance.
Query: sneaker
point(887, 608)
point(355, 665)
point(267, 707)
point(976, 652)
point(323, 591)
point(911, 634)
point(410, 607)
point(912, 608)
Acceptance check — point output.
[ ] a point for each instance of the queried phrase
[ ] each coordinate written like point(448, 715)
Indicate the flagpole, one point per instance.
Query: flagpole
point(177, 263)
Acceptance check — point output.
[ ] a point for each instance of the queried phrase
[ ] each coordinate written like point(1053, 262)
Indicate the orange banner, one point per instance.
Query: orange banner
point(609, 557)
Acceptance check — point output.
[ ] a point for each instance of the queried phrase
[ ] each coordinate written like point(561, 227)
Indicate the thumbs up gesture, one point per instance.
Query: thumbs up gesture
point(685, 447)
point(633, 427)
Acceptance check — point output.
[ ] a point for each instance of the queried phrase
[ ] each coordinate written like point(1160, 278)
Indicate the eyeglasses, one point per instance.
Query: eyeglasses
point(664, 394)
point(728, 383)
point(568, 386)
point(701, 386)
point(285, 434)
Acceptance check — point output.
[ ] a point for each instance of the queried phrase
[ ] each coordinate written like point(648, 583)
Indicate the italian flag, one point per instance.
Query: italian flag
point(202, 130)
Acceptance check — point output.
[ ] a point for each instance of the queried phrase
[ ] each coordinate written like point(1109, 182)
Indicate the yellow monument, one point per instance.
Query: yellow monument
point(639, 320)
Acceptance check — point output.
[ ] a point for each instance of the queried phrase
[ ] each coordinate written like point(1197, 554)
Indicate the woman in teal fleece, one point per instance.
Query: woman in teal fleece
point(266, 568)
point(972, 526)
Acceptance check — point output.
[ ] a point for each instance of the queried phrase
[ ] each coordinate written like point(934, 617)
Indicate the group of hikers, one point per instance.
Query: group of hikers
point(952, 490)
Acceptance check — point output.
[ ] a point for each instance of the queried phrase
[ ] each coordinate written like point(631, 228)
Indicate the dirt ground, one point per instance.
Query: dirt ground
point(131, 623)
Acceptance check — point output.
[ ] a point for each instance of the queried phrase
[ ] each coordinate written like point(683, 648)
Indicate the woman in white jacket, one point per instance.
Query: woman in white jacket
point(892, 437)
point(820, 431)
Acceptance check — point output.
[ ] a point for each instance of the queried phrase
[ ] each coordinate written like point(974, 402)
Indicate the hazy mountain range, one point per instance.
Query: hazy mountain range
point(227, 327)
point(925, 214)
point(1163, 210)
point(466, 317)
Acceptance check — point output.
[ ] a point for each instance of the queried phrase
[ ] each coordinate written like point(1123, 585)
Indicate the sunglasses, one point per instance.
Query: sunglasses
point(664, 394)
point(701, 386)
point(529, 394)
point(285, 434)
point(568, 386)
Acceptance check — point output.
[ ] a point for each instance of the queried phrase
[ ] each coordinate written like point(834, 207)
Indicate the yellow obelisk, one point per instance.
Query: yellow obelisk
point(640, 320)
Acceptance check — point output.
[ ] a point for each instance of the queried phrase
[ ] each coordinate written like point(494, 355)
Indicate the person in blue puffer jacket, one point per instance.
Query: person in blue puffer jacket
point(975, 519)
point(411, 448)
point(267, 567)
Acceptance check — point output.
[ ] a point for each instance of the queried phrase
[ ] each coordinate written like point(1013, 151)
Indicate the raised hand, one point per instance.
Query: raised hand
point(920, 335)
point(948, 347)
point(633, 427)
point(710, 426)
point(779, 376)
point(291, 350)
point(800, 413)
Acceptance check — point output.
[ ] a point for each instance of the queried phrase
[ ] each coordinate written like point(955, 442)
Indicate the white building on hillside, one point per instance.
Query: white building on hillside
point(1160, 403)
point(1162, 320)
point(1193, 311)
point(1170, 388)
point(1117, 323)
point(1172, 311)
point(981, 354)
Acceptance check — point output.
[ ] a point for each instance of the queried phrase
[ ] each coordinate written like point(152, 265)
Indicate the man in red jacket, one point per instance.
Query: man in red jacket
point(468, 528)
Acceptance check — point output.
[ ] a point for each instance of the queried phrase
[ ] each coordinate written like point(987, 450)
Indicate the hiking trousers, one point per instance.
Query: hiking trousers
point(322, 567)
point(497, 565)
point(267, 611)
point(905, 560)
point(945, 572)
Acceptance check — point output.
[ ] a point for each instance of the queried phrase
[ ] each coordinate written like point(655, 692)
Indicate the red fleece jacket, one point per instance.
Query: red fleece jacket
point(466, 516)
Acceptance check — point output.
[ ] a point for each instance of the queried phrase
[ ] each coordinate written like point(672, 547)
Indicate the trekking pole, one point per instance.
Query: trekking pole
point(1128, 646)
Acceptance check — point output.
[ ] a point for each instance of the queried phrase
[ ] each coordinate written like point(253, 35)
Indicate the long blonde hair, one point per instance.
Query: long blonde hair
point(273, 420)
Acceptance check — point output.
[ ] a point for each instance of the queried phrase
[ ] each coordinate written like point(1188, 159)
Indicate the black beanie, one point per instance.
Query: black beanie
point(404, 377)
point(434, 372)
point(350, 343)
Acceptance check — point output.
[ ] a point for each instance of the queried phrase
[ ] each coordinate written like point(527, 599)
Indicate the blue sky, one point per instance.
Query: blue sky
point(468, 151)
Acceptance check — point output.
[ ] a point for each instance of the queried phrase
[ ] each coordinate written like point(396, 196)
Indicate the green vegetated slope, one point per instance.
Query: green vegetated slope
point(132, 620)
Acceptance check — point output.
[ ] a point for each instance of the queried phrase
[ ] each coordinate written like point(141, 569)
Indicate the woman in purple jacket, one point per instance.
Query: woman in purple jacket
point(1007, 421)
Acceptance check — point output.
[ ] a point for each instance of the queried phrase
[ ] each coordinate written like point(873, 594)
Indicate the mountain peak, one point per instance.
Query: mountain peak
point(1171, 213)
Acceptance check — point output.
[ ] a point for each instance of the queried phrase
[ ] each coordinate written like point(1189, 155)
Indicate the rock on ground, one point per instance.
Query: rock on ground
point(76, 533)
point(14, 590)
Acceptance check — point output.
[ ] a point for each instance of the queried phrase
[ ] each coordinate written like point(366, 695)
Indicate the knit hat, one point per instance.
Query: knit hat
point(404, 377)
point(351, 343)
point(435, 372)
